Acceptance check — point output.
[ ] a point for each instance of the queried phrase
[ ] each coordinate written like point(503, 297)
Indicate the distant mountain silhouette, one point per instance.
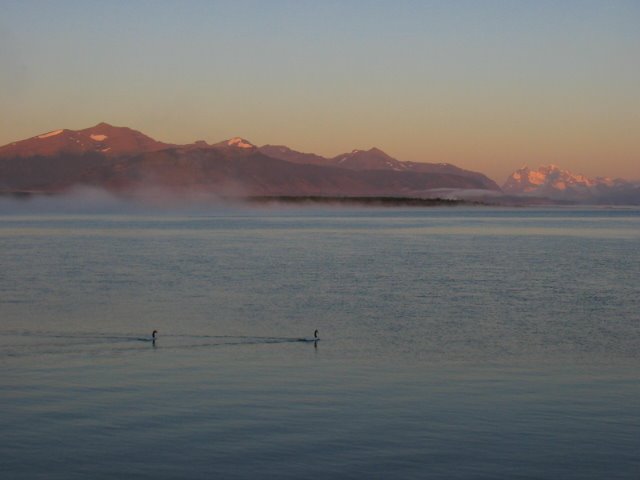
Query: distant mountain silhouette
point(376, 159)
point(121, 159)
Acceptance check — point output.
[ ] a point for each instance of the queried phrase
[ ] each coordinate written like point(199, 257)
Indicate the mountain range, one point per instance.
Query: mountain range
point(123, 160)
point(550, 181)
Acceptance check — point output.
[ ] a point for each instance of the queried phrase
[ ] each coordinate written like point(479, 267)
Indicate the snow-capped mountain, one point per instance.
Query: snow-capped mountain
point(237, 143)
point(553, 182)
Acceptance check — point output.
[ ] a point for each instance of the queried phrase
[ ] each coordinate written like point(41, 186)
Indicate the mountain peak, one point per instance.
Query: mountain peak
point(239, 142)
point(103, 138)
point(371, 151)
point(377, 151)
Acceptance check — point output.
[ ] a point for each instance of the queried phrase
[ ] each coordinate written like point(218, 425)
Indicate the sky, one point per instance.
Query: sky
point(486, 85)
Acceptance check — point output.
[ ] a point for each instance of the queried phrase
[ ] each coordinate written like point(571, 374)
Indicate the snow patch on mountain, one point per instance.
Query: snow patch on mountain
point(98, 138)
point(239, 142)
point(51, 134)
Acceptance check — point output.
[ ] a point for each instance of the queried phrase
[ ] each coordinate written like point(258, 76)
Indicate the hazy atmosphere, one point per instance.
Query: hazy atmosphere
point(489, 86)
point(320, 239)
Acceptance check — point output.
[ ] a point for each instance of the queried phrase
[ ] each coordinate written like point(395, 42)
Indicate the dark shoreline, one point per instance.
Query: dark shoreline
point(362, 201)
point(300, 200)
point(321, 200)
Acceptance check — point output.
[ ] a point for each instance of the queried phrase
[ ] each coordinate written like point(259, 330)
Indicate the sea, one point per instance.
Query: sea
point(454, 343)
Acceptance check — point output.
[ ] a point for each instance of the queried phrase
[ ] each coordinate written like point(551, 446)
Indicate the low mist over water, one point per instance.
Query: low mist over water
point(454, 342)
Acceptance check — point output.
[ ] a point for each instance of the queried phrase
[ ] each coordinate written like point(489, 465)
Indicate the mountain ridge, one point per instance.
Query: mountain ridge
point(121, 158)
point(103, 138)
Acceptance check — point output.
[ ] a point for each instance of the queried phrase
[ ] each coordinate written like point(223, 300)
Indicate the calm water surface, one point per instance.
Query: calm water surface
point(455, 343)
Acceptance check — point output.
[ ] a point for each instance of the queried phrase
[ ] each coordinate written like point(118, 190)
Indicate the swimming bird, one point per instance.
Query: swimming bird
point(315, 335)
point(153, 335)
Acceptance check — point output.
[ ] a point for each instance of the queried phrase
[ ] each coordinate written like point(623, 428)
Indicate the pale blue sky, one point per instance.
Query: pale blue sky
point(487, 85)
